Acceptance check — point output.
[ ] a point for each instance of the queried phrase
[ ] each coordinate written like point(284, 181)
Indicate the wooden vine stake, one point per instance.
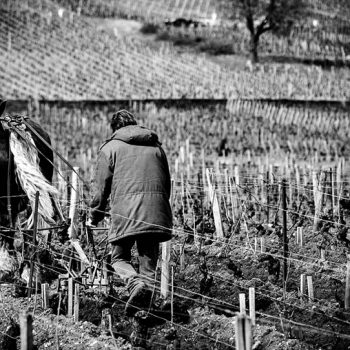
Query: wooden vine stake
point(331, 194)
point(310, 288)
point(255, 244)
point(166, 250)
point(302, 286)
point(236, 175)
point(215, 207)
point(347, 285)
point(165, 276)
point(76, 303)
point(104, 280)
point(182, 257)
point(227, 187)
point(70, 297)
point(26, 324)
point(242, 305)
point(73, 216)
point(339, 184)
point(318, 196)
point(297, 236)
point(74, 199)
point(45, 295)
point(172, 296)
point(36, 293)
point(300, 238)
point(231, 200)
point(252, 313)
point(262, 245)
point(297, 179)
point(35, 230)
point(243, 329)
point(195, 233)
point(285, 238)
point(204, 184)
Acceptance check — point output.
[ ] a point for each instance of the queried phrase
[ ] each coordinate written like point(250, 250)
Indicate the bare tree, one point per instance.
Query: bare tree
point(267, 15)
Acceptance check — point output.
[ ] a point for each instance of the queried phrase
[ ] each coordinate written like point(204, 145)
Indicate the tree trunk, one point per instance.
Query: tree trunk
point(254, 48)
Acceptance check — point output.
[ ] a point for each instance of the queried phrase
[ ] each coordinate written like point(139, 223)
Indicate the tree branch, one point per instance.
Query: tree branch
point(248, 14)
point(263, 27)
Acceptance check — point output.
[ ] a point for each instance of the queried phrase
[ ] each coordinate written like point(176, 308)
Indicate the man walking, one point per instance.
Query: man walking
point(132, 169)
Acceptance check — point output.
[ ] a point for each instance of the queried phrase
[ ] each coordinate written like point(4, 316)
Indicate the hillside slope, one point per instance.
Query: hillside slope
point(49, 52)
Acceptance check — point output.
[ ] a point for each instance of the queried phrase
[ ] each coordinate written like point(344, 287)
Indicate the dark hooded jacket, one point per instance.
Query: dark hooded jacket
point(133, 170)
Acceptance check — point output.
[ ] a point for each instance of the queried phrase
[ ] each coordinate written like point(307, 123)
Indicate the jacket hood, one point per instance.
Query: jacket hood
point(136, 135)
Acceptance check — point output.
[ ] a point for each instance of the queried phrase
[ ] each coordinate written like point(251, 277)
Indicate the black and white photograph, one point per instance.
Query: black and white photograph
point(174, 174)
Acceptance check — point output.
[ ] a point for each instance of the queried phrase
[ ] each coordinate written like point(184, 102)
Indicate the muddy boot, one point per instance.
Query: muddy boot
point(140, 296)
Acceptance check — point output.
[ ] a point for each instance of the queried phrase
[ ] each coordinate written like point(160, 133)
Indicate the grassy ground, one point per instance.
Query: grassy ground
point(216, 49)
point(216, 52)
